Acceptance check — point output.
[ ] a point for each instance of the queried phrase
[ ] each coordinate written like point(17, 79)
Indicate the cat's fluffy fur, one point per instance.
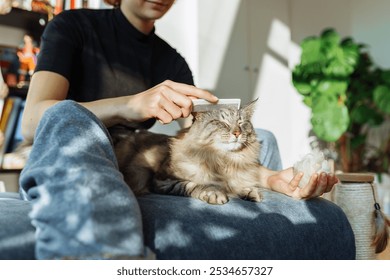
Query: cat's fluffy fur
point(215, 158)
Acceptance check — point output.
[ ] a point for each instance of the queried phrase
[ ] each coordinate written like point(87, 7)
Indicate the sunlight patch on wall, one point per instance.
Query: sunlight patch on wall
point(279, 41)
point(279, 38)
point(279, 103)
point(273, 90)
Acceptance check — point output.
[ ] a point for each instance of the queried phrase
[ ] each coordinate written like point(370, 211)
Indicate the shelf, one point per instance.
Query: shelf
point(26, 20)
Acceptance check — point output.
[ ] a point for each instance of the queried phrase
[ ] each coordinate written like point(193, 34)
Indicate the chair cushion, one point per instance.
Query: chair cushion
point(279, 227)
point(16, 232)
point(185, 228)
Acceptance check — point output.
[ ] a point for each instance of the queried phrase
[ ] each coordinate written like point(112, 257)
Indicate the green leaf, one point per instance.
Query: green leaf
point(363, 114)
point(329, 119)
point(344, 62)
point(330, 36)
point(385, 75)
point(308, 101)
point(300, 81)
point(382, 98)
point(332, 87)
point(351, 54)
point(358, 115)
point(311, 51)
point(358, 141)
point(302, 87)
point(330, 43)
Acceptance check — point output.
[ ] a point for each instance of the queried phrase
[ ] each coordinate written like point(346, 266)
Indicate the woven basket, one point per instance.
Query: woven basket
point(356, 196)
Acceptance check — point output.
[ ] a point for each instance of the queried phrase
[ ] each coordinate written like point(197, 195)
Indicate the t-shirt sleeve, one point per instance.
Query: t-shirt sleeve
point(60, 43)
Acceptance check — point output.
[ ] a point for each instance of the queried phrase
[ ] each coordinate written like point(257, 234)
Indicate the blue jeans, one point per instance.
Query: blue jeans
point(80, 207)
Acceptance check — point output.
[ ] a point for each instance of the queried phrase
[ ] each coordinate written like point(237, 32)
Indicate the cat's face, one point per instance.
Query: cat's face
point(226, 129)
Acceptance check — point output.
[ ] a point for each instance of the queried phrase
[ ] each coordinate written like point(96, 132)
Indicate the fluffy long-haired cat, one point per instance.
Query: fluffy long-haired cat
point(216, 158)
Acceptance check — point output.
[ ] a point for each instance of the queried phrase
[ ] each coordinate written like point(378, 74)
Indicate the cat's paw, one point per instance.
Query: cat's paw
point(213, 195)
point(251, 194)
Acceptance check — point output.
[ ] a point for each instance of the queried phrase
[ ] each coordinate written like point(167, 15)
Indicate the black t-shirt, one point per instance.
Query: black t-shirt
point(102, 55)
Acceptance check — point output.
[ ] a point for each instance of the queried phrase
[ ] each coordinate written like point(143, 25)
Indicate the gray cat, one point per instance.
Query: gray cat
point(215, 158)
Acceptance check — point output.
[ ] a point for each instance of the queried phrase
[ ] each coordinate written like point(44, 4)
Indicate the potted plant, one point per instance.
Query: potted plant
point(348, 96)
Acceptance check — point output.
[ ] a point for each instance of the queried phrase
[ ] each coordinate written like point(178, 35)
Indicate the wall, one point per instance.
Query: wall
point(370, 24)
point(310, 17)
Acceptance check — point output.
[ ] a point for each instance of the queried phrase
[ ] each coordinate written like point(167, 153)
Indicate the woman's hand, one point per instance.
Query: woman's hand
point(166, 102)
point(285, 182)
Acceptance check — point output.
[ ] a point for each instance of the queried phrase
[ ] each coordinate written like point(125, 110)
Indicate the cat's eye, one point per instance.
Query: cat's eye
point(219, 124)
point(246, 126)
point(225, 124)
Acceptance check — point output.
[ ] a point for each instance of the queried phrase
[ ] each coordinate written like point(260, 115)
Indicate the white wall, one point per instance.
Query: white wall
point(310, 17)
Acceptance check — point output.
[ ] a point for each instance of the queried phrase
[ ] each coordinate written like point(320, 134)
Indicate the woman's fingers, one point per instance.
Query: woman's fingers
point(175, 100)
point(191, 91)
point(318, 185)
point(170, 105)
point(332, 180)
point(294, 183)
point(166, 102)
point(308, 190)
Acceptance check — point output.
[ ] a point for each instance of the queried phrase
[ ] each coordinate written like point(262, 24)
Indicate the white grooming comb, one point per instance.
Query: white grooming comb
point(201, 105)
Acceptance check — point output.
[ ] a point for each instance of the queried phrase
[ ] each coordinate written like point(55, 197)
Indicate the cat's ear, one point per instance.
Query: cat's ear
point(248, 110)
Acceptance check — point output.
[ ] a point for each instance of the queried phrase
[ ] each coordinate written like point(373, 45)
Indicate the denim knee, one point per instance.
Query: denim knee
point(269, 151)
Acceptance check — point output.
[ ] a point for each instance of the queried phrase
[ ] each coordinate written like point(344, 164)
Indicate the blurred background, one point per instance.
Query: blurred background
point(247, 49)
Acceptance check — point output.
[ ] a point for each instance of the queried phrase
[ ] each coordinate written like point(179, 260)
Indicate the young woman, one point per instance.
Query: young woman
point(96, 69)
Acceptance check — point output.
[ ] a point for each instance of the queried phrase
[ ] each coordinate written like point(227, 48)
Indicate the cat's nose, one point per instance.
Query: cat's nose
point(236, 133)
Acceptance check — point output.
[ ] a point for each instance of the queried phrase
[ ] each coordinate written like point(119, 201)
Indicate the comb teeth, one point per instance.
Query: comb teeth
point(201, 105)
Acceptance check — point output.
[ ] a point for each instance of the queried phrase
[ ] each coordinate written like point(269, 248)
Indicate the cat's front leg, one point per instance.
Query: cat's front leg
point(212, 194)
point(209, 193)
